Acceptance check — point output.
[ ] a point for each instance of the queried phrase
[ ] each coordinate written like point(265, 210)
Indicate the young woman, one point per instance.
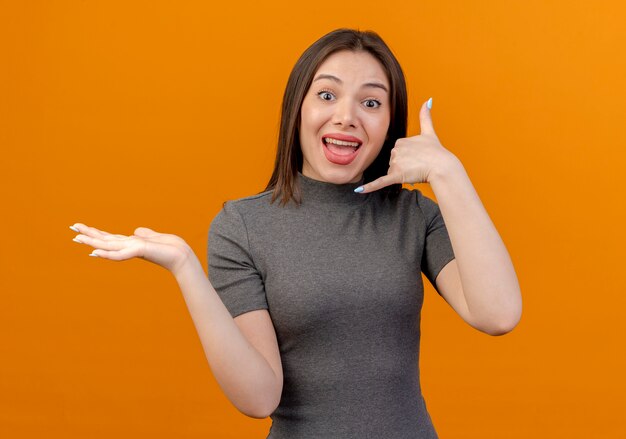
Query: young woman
point(311, 310)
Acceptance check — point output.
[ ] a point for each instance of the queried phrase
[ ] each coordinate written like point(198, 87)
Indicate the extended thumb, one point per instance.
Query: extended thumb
point(144, 232)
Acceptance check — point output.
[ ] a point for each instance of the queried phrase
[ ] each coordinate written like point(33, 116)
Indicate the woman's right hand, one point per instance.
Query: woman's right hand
point(168, 251)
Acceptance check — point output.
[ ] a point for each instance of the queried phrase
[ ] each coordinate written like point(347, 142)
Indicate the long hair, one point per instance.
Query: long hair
point(283, 181)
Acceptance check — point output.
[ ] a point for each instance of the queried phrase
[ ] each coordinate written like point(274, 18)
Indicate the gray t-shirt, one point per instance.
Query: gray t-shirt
point(340, 277)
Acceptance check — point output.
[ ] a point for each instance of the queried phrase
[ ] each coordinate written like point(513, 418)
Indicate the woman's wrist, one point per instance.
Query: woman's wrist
point(187, 264)
point(451, 166)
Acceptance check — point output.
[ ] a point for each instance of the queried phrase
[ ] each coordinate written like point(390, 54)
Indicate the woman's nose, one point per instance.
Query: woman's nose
point(345, 114)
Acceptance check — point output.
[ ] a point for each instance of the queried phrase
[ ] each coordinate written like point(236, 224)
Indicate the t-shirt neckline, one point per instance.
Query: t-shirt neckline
point(330, 193)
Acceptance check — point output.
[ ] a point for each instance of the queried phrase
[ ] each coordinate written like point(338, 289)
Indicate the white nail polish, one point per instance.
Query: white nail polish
point(94, 255)
point(77, 240)
point(75, 229)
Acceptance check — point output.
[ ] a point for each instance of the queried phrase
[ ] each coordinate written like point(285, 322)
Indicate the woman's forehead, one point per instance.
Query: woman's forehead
point(348, 65)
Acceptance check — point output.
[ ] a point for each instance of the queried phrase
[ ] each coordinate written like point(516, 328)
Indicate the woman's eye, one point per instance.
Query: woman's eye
point(325, 95)
point(372, 103)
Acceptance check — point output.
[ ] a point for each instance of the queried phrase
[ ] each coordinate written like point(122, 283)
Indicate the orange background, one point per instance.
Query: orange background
point(124, 114)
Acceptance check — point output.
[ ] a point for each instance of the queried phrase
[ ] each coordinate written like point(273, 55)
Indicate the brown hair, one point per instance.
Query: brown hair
point(289, 153)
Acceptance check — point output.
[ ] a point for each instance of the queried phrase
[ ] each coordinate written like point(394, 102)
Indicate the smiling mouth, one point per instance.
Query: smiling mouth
point(340, 146)
point(340, 152)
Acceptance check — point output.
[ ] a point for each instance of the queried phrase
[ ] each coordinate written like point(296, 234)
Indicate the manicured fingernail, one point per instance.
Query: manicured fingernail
point(93, 254)
point(74, 229)
point(429, 104)
point(77, 240)
point(359, 189)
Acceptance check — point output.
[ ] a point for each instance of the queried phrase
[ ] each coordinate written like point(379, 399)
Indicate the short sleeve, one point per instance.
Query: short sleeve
point(437, 248)
point(230, 265)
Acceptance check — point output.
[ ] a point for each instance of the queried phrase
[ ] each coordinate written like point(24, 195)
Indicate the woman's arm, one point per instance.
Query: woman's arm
point(246, 365)
point(243, 373)
point(488, 279)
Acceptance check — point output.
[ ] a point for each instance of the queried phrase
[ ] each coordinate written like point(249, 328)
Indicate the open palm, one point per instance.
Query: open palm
point(166, 250)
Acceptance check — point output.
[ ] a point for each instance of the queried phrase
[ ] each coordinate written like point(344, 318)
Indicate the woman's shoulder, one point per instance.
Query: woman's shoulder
point(414, 198)
point(405, 196)
point(413, 194)
point(240, 208)
point(410, 200)
point(250, 201)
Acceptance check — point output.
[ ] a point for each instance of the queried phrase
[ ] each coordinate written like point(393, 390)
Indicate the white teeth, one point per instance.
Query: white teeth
point(340, 142)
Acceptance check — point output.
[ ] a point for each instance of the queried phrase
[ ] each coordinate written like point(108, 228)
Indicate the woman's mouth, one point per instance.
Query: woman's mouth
point(340, 152)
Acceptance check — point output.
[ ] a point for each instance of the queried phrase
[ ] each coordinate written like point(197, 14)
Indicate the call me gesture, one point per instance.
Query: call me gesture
point(480, 283)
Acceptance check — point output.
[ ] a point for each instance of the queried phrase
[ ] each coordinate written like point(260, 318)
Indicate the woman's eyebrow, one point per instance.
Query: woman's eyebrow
point(339, 81)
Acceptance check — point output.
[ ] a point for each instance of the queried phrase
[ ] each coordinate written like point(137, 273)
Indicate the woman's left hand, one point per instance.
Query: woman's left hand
point(414, 159)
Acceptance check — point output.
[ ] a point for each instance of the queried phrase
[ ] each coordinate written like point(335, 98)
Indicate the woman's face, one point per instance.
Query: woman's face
point(344, 117)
